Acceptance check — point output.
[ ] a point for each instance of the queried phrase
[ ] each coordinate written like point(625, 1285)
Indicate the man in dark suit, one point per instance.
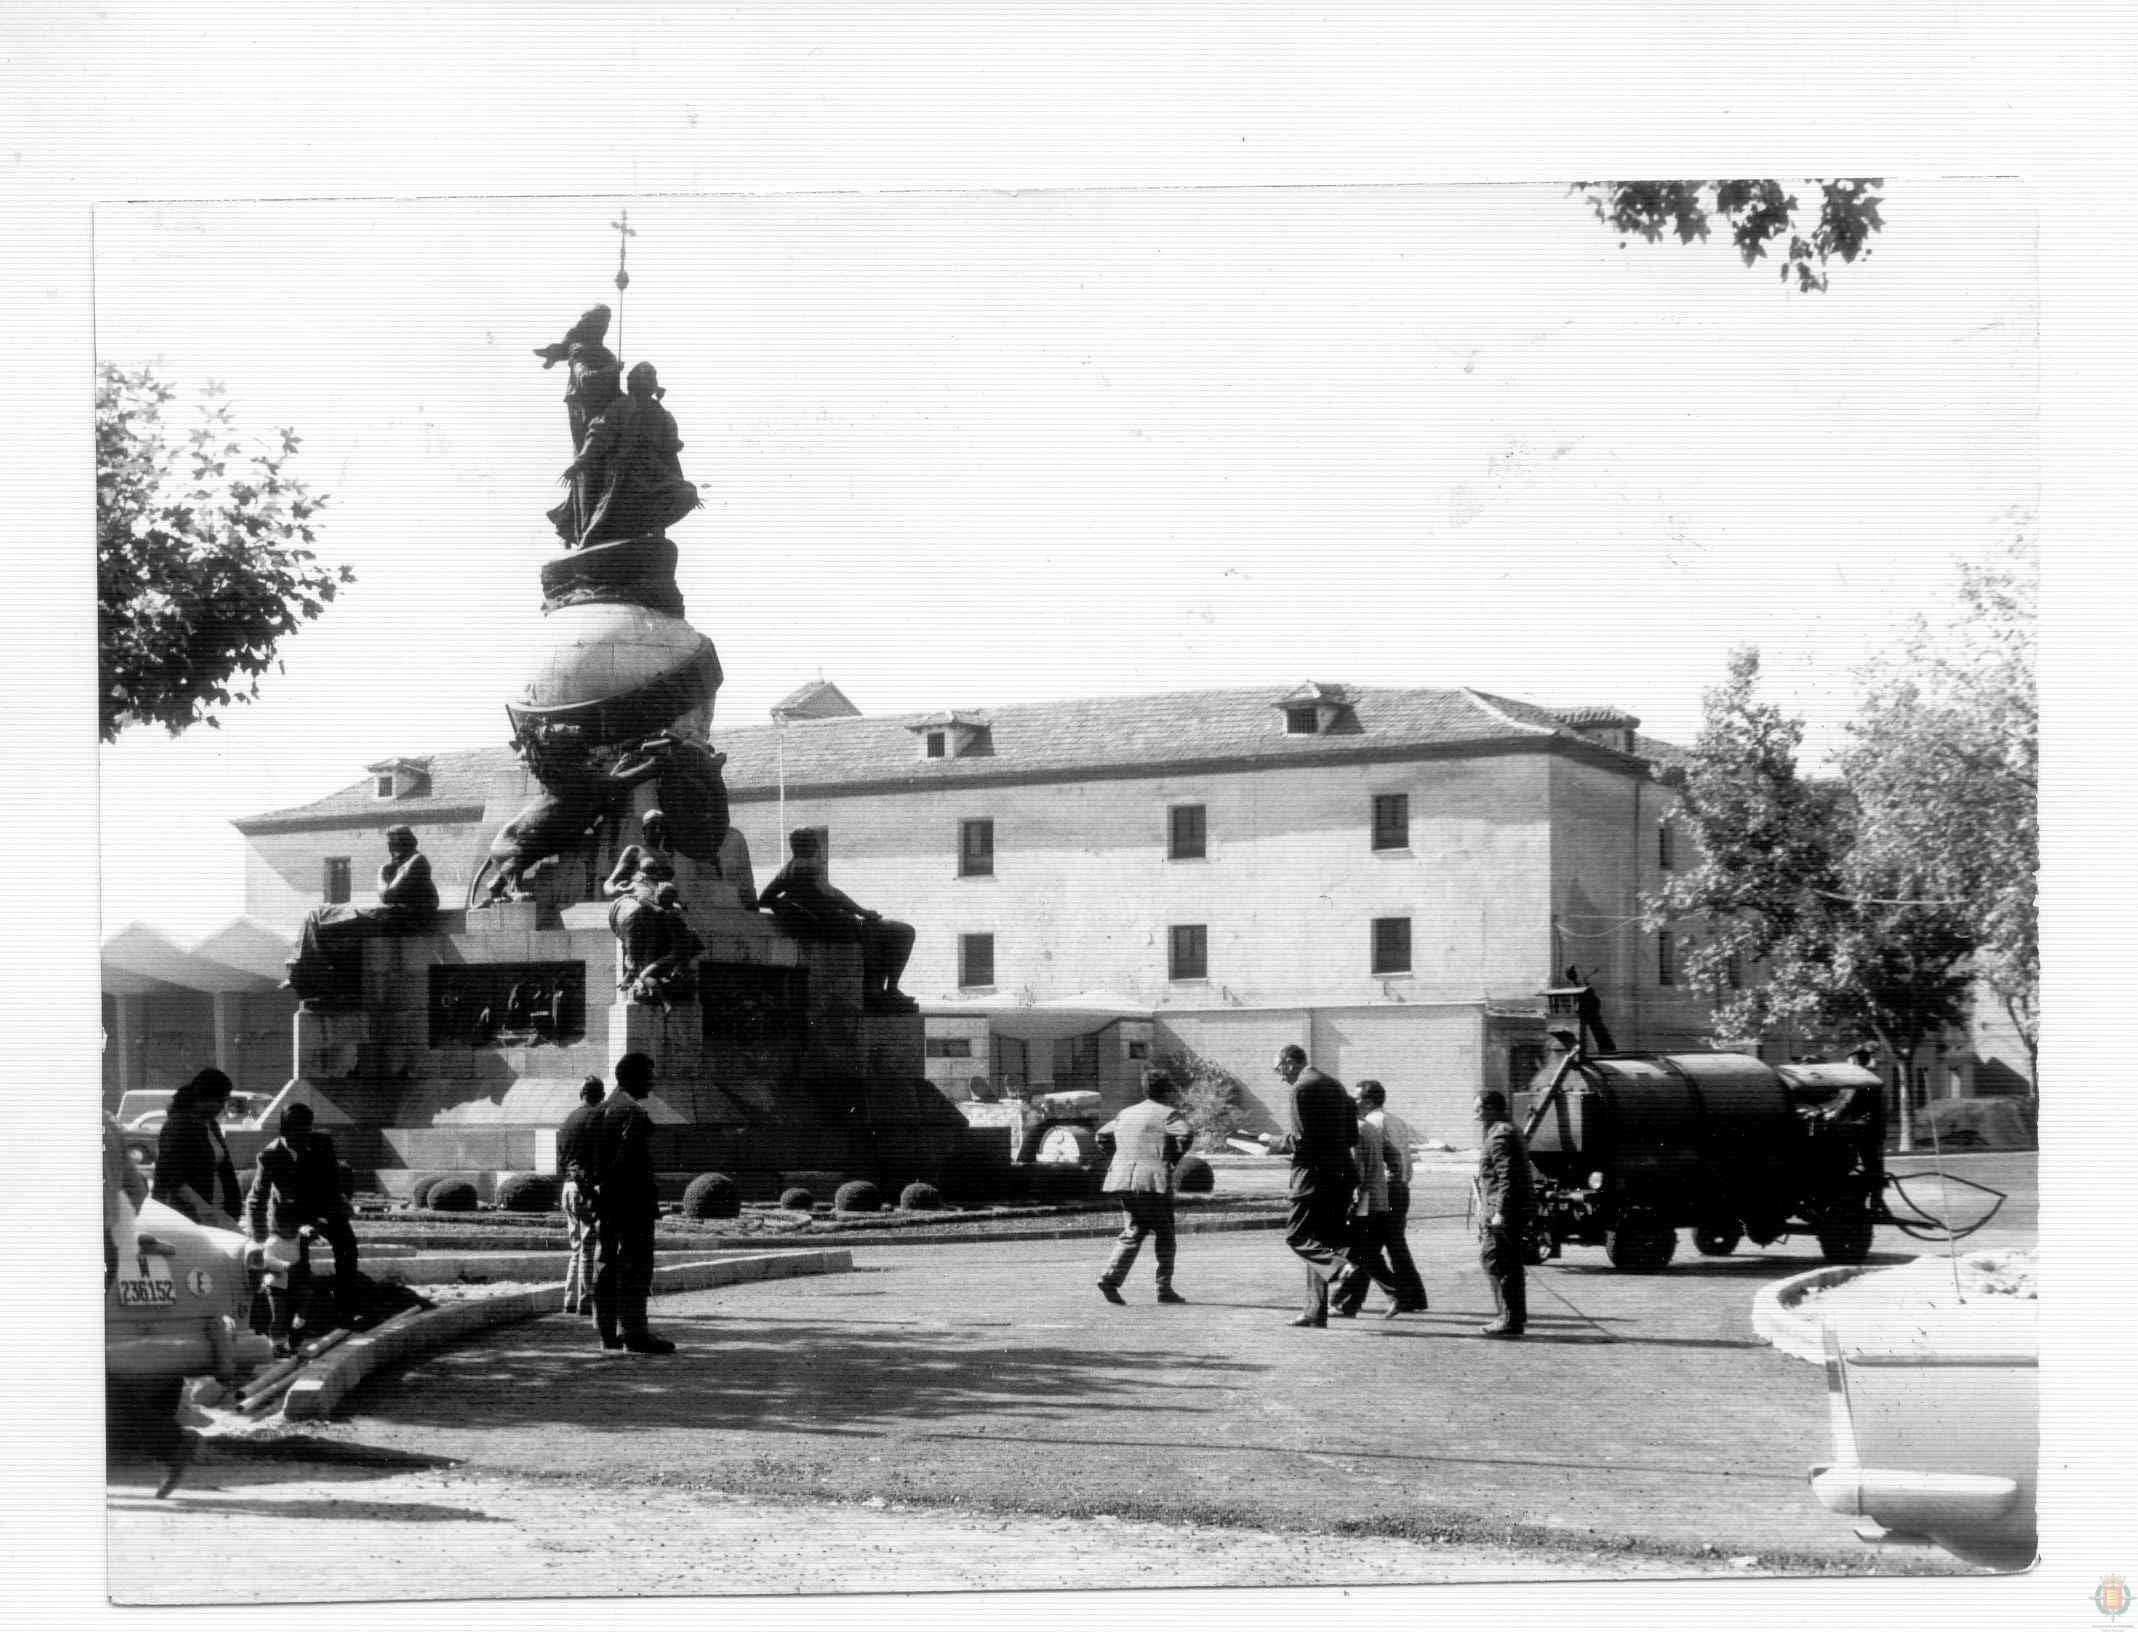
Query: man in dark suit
point(575, 1197)
point(1322, 1132)
point(1506, 1208)
point(1386, 1259)
point(627, 1206)
point(297, 1185)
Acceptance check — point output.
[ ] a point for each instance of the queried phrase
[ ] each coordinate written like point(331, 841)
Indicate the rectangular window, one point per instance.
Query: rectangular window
point(935, 745)
point(1666, 958)
point(1733, 971)
point(334, 880)
point(976, 960)
point(950, 1048)
point(1185, 834)
point(383, 788)
point(1188, 952)
point(1391, 946)
point(1139, 1051)
point(976, 849)
point(1301, 722)
point(1391, 821)
point(1663, 845)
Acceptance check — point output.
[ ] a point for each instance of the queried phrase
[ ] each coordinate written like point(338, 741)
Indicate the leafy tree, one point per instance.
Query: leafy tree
point(1846, 936)
point(1759, 215)
point(204, 559)
point(1213, 1102)
point(1943, 763)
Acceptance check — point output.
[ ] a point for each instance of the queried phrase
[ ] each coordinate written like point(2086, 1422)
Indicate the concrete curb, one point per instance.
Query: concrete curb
point(1779, 1317)
point(429, 1268)
point(320, 1388)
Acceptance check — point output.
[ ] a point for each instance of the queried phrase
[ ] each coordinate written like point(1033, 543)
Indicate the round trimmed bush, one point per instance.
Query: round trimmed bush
point(712, 1195)
point(528, 1193)
point(1194, 1177)
point(859, 1196)
point(798, 1199)
point(920, 1198)
point(419, 1193)
point(451, 1195)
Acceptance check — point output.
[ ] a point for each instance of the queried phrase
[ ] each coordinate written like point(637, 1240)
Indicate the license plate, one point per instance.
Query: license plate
point(153, 1288)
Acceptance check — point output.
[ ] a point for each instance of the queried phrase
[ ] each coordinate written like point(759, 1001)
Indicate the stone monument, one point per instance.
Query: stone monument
point(617, 910)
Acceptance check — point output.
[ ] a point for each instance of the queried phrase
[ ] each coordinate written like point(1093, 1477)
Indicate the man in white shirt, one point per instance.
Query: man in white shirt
point(1381, 1219)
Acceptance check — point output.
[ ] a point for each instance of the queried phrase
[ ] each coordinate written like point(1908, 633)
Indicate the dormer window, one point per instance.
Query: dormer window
point(954, 734)
point(400, 778)
point(1313, 709)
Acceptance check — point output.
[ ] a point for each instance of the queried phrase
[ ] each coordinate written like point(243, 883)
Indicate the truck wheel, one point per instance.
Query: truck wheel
point(1067, 1143)
point(1848, 1243)
point(1640, 1248)
point(1717, 1240)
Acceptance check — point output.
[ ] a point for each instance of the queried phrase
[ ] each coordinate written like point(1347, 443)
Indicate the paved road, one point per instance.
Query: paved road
point(1640, 1421)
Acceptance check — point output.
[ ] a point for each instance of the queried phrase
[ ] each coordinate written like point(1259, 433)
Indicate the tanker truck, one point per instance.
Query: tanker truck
point(1629, 1148)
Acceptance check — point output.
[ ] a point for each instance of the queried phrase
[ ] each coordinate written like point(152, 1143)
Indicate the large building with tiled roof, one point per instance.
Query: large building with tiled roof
point(1387, 875)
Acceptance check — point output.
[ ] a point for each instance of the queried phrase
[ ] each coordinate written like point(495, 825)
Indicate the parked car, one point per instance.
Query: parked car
point(1935, 1417)
point(142, 1111)
point(180, 1308)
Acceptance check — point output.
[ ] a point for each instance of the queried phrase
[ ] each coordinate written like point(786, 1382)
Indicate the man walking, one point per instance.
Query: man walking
point(1506, 1207)
point(1391, 1266)
point(1147, 1140)
point(576, 1197)
point(1322, 1132)
point(626, 1206)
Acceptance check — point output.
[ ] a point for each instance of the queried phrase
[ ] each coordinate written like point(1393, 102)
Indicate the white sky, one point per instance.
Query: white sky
point(972, 447)
point(1305, 419)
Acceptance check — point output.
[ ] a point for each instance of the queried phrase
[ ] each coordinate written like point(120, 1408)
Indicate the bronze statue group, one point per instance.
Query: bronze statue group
point(1349, 1190)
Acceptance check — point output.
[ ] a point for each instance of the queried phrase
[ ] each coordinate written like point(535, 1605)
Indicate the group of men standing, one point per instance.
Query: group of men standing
point(611, 1204)
point(1350, 1195)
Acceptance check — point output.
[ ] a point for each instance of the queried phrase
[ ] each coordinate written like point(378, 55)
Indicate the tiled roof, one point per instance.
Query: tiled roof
point(1079, 736)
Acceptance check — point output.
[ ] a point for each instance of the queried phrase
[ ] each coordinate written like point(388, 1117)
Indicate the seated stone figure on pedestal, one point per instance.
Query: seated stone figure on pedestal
point(408, 900)
point(647, 918)
point(805, 902)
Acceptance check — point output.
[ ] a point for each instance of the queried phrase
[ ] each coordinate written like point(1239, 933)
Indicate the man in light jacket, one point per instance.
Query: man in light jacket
point(1146, 1140)
point(1384, 1190)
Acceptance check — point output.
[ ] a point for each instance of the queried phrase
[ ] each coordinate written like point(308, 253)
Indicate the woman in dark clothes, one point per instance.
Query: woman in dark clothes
point(192, 1162)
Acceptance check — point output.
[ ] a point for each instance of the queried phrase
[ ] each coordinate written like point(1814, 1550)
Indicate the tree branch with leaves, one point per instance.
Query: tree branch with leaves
point(204, 554)
point(1761, 216)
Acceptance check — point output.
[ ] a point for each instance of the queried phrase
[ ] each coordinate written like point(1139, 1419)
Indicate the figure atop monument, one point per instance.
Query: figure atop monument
point(626, 473)
point(596, 380)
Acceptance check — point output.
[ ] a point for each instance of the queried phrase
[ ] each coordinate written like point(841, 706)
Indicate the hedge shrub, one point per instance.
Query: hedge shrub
point(452, 1195)
point(712, 1195)
point(920, 1198)
point(798, 1199)
point(419, 1193)
point(528, 1193)
point(859, 1196)
point(1194, 1177)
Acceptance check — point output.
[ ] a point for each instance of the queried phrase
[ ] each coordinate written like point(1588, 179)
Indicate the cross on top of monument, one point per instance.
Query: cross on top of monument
point(624, 232)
